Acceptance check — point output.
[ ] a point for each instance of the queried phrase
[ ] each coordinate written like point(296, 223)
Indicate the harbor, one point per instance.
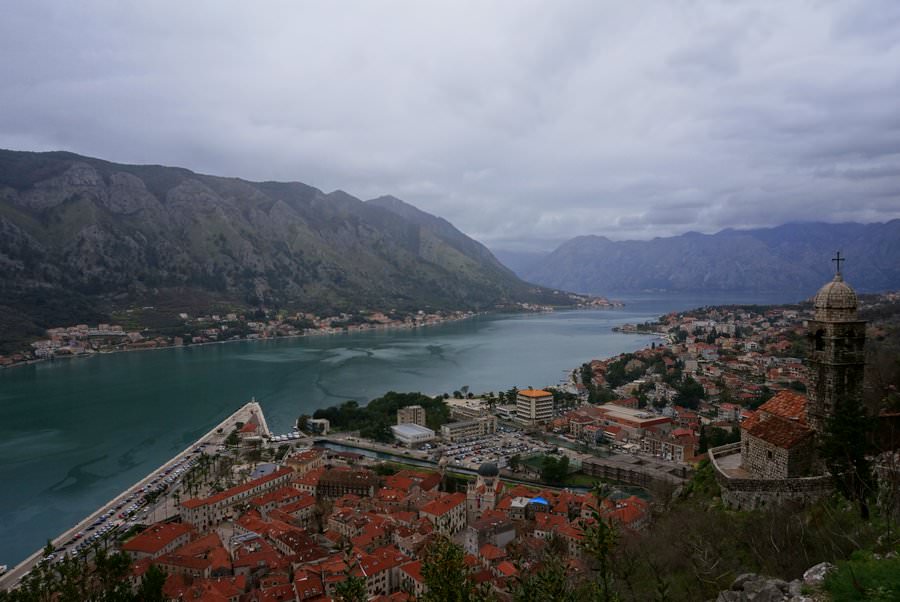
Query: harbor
point(103, 523)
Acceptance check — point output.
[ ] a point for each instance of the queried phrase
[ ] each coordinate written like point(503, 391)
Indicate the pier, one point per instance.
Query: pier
point(215, 436)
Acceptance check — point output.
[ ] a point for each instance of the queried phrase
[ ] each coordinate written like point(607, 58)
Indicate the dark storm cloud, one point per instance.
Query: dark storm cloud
point(524, 123)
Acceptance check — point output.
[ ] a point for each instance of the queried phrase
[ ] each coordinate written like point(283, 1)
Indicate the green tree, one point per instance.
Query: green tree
point(690, 392)
point(553, 470)
point(445, 574)
point(232, 439)
point(599, 543)
point(151, 587)
point(352, 589)
point(302, 420)
point(514, 462)
point(74, 580)
point(844, 447)
point(549, 583)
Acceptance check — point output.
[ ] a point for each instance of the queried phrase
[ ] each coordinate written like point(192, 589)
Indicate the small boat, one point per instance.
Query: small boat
point(3, 569)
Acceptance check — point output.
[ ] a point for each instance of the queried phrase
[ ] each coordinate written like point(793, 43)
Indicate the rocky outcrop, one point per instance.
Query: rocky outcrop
point(751, 587)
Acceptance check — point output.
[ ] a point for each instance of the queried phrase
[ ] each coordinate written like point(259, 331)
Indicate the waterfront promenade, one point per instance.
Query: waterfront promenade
point(216, 436)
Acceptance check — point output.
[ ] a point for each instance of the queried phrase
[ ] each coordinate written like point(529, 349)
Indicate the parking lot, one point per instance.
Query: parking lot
point(498, 447)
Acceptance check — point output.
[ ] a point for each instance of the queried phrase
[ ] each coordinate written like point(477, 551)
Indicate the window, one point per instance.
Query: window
point(820, 340)
point(769, 454)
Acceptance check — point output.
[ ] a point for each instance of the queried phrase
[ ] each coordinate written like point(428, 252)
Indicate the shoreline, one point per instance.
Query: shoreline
point(244, 340)
point(26, 564)
point(337, 332)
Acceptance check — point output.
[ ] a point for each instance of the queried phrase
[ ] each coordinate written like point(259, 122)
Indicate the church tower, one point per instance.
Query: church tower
point(484, 493)
point(836, 355)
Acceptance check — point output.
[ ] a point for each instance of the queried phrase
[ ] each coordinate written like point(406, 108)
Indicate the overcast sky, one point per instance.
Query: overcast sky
point(523, 123)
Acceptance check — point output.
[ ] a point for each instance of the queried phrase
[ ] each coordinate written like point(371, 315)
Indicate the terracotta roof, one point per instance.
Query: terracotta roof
point(777, 430)
point(535, 393)
point(507, 569)
point(414, 570)
point(445, 504)
point(305, 501)
point(787, 404)
point(307, 585)
point(491, 552)
point(281, 495)
point(224, 495)
point(156, 537)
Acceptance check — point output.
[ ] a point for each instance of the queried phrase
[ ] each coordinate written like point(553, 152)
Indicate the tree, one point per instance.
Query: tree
point(71, 579)
point(514, 462)
point(549, 582)
point(151, 588)
point(301, 421)
point(232, 439)
point(690, 392)
point(553, 470)
point(844, 445)
point(599, 543)
point(352, 589)
point(445, 574)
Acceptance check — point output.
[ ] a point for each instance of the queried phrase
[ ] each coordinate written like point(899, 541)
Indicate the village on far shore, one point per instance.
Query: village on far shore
point(127, 332)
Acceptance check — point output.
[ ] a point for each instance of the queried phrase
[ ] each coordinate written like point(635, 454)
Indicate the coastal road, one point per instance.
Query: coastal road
point(214, 437)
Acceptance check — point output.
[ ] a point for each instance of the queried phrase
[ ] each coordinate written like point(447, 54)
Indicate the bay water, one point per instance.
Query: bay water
point(76, 432)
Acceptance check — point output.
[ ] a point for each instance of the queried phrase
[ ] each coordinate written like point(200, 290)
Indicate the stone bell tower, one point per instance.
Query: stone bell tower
point(836, 355)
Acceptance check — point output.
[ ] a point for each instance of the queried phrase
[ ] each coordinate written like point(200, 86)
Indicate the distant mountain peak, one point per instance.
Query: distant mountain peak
point(790, 257)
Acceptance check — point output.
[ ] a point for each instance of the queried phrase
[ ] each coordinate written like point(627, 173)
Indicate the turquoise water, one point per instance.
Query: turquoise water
point(74, 433)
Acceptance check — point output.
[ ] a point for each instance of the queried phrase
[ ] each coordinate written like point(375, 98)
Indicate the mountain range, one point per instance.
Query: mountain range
point(792, 257)
point(79, 236)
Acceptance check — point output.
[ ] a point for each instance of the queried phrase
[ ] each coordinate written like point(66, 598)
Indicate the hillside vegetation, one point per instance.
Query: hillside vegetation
point(80, 237)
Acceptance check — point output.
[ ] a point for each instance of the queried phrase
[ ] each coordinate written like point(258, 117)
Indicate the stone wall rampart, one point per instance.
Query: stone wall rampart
point(752, 493)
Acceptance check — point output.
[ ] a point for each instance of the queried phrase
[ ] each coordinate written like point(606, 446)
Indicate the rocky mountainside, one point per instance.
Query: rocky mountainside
point(792, 257)
point(78, 234)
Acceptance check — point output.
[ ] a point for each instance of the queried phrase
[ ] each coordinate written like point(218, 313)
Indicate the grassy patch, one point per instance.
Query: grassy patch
point(579, 479)
point(864, 577)
point(390, 468)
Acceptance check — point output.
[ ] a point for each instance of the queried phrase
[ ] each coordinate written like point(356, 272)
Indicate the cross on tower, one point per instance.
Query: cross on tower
point(838, 259)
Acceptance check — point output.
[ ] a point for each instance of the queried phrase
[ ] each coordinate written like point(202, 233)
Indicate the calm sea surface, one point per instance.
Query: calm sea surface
point(74, 433)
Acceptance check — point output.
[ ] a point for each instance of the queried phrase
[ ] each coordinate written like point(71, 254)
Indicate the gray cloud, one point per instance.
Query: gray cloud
point(524, 123)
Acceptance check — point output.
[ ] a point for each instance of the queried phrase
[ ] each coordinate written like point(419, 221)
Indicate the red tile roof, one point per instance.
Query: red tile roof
point(490, 552)
point(280, 495)
point(787, 404)
point(414, 570)
point(777, 430)
point(780, 421)
point(507, 569)
point(224, 495)
point(156, 537)
point(307, 585)
point(444, 504)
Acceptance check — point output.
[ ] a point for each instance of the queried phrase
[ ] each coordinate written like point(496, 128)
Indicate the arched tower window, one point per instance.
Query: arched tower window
point(820, 340)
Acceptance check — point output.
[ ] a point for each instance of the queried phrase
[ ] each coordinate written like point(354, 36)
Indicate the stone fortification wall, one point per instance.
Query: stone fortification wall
point(770, 461)
point(752, 493)
point(636, 471)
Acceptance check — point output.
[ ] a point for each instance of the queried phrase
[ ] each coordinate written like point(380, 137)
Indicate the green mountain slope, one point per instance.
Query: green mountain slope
point(87, 233)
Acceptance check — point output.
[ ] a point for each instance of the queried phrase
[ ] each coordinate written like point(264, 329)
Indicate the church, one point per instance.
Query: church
point(484, 493)
point(776, 459)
